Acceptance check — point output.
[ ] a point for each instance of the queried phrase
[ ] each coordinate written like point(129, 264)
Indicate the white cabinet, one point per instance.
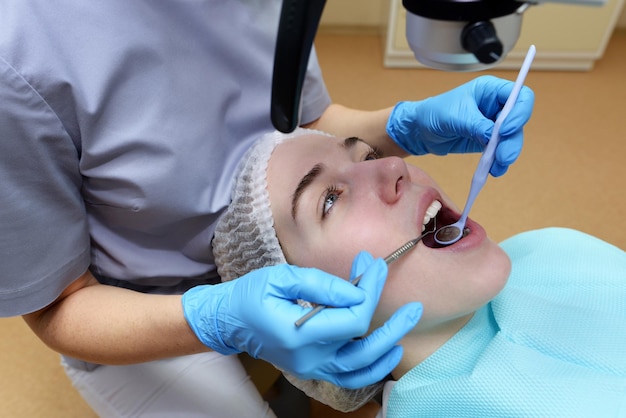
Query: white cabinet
point(567, 37)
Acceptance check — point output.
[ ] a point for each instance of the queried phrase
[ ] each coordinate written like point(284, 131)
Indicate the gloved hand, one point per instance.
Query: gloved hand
point(462, 120)
point(256, 313)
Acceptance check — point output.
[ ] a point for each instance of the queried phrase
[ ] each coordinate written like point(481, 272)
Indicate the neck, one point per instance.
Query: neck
point(421, 343)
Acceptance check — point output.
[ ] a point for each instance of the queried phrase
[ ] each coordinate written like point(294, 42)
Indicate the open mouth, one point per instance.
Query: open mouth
point(444, 217)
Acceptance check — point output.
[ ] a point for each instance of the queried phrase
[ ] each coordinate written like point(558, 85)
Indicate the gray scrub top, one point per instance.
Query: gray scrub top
point(121, 124)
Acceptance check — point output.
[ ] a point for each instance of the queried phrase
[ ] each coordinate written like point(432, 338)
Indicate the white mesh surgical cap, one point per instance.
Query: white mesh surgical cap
point(245, 240)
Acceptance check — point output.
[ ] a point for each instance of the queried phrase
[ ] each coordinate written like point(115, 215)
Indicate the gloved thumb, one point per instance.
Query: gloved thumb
point(361, 262)
point(316, 286)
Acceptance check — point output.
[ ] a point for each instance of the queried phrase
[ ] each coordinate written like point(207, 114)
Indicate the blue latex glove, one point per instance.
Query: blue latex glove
point(256, 313)
point(461, 120)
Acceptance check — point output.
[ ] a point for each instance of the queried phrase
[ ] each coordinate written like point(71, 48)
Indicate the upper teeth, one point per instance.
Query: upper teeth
point(432, 210)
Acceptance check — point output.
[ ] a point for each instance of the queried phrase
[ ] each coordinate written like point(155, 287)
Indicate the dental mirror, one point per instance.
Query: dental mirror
point(450, 234)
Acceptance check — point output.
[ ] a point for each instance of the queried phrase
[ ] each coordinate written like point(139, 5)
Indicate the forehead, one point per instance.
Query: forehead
point(307, 150)
point(292, 159)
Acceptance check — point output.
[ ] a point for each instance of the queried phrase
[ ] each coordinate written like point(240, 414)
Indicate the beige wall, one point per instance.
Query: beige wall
point(374, 13)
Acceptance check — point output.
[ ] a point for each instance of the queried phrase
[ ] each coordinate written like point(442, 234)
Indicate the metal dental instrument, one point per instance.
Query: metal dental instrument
point(389, 259)
point(450, 234)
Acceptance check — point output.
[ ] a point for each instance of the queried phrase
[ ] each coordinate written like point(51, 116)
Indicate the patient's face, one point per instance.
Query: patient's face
point(332, 198)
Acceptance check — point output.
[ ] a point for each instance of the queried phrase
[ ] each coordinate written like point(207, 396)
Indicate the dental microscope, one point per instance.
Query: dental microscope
point(449, 35)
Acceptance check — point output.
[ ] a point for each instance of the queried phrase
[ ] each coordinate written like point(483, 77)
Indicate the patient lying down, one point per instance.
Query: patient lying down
point(531, 327)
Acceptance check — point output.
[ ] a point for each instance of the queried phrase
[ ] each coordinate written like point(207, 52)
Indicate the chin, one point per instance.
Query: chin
point(499, 269)
point(485, 269)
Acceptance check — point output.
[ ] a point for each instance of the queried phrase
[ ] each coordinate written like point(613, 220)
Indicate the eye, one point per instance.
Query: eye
point(372, 154)
point(330, 198)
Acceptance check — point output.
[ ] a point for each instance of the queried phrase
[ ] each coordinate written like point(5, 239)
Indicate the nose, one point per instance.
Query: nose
point(388, 177)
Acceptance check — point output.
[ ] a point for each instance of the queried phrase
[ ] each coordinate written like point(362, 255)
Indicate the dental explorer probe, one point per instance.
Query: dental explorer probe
point(389, 259)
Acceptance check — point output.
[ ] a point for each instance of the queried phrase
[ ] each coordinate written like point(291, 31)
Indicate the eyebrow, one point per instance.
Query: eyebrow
point(314, 173)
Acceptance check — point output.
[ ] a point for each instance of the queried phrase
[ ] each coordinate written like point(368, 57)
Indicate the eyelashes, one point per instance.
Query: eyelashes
point(333, 193)
point(374, 153)
point(331, 196)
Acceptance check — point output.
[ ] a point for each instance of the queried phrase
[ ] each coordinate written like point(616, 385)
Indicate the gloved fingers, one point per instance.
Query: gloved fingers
point(361, 262)
point(352, 321)
point(473, 117)
point(371, 374)
point(372, 277)
point(369, 360)
point(491, 94)
point(403, 129)
point(462, 122)
point(511, 132)
point(315, 286)
point(507, 152)
point(365, 351)
point(519, 114)
point(482, 129)
point(478, 103)
point(498, 169)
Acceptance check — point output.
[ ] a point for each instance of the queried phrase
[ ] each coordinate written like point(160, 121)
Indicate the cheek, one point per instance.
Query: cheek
point(317, 251)
point(355, 237)
point(334, 251)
